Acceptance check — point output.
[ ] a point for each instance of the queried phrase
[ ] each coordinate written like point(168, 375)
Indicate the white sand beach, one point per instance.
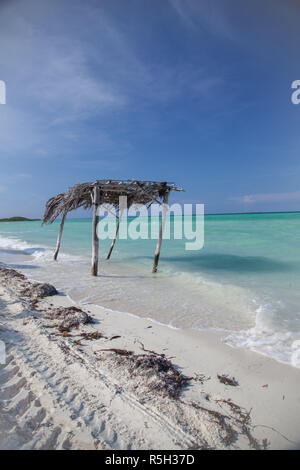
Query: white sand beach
point(61, 390)
point(149, 226)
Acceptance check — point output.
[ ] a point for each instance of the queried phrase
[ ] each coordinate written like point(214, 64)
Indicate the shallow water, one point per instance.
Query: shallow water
point(246, 279)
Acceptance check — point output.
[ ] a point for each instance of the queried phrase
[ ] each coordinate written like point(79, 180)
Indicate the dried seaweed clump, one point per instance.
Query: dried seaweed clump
point(39, 290)
point(234, 424)
point(155, 371)
point(30, 291)
point(226, 380)
point(92, 336)
point(69, 317)
point(8, 273)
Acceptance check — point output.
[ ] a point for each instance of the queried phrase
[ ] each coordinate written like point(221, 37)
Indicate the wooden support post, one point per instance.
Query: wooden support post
point(161, 231)
point(115, 237)
point(62, 223)
point(95, 239)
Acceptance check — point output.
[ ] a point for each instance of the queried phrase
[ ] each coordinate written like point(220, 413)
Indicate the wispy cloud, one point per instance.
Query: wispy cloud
point(211, 15)
point(269, 197)
point(67, 80)
point(55, 72)
point(68, 88)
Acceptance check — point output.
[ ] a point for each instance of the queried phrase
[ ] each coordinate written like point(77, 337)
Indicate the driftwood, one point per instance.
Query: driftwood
point(93, 194)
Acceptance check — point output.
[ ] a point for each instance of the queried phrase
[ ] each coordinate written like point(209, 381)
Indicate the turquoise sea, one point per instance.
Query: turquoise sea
point(245, 281)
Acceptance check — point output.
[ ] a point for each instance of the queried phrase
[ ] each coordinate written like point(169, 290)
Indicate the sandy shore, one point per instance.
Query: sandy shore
point(62, 389)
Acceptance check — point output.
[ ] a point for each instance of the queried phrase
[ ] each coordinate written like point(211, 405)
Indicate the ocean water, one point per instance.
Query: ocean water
point(245, 281)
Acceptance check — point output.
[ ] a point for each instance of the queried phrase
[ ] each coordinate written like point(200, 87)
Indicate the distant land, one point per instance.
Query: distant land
point(18, 219)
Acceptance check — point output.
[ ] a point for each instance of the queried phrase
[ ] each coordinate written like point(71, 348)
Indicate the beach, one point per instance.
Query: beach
point(244, 282)
point(149, 226)
point(61, 390)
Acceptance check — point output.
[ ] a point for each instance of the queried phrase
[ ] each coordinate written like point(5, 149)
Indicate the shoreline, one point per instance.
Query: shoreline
point(268, 391)
point(136, 305)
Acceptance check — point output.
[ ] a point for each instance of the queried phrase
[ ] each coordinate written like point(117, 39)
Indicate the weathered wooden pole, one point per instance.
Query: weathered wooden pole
point(95, 239)
point(161, 231)
point(62, 223)
point(115, 237)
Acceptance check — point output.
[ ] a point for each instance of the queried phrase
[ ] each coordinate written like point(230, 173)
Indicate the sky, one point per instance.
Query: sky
point(197, 93)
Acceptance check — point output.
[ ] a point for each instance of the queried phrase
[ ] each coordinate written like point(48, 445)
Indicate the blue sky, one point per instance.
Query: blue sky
point(198, 93)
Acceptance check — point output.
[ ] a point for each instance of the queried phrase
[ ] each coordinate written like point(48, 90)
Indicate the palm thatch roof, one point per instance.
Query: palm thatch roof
point(81, 195)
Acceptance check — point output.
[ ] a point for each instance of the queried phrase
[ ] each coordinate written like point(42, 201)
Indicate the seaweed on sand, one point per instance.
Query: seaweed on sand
point(92, 336)
point(29, 291)
point(155, 370)
point(233, 425)
point(121, 352)
point(9, 273)
point(38, 290)
point(69, 317)
point(226, 380)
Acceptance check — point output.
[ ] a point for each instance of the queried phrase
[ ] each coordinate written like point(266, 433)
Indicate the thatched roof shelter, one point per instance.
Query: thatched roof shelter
point(99, 192)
